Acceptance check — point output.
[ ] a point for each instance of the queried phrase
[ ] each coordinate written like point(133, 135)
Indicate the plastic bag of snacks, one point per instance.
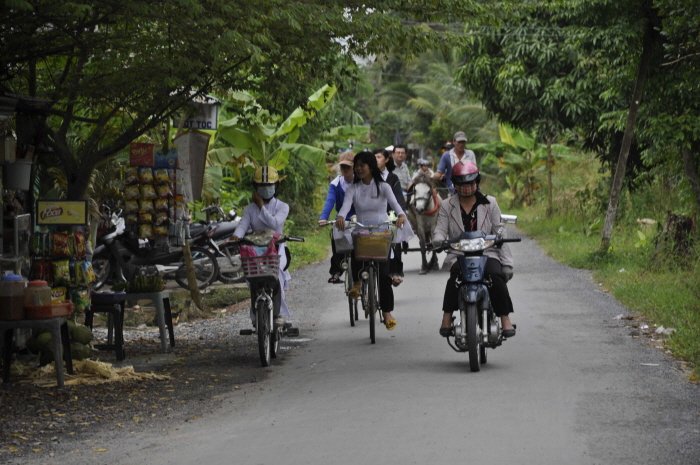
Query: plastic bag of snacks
point(162, 176)
point(146, 206)
point(61, 245)
point(87, 272)
point(164, 191)
point(79, 239)
point(148, 192)
point(146, 231)
point(132, 206)
point(145, 217)
point(160, 231)
point(58, 295)
point(161, 205)
point(161, 219)
point(80, 299)
point(131, 218)
point(132, 176)
point(132, 192)
point(146, 175)
point(61, 273)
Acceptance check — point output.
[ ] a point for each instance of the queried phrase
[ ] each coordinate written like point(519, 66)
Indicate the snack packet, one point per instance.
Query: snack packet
point(131, 176)
point(162, 176)
point(146, 175)
point(132, 192)
point(132, 206)
point(79, 240)
point(58, 294)
point(146, 231)
point(148, 192)
point(61, 273)
point(61, 245)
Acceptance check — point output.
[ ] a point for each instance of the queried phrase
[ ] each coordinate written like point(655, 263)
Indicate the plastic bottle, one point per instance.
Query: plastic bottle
point(11, 297)
point(37, 294)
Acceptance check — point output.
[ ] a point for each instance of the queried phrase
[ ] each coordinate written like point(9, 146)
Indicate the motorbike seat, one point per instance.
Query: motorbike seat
point(225, 229)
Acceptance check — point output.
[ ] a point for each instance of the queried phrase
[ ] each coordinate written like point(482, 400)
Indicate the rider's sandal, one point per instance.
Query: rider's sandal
point(335, 279)
point(446, 332)
point(390, 324)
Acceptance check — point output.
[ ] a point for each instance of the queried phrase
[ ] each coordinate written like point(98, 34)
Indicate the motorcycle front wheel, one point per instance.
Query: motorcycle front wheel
point(473, 337)
point(206, 269)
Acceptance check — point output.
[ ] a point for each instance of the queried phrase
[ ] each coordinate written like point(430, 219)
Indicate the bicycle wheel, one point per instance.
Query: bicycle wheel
point(206, 268)
point(473, 337)
point(372, 301)
point(352, 304)
point(275, 342)
point(262, 315)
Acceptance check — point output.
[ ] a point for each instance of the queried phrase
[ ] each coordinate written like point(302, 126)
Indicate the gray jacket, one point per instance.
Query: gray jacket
point(488, 219)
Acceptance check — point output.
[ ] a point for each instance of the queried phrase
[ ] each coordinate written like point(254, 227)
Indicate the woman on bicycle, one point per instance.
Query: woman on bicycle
point(335, 198)
point(470, 210)
point(386, 166)
point(267, 212)
point(370, 195)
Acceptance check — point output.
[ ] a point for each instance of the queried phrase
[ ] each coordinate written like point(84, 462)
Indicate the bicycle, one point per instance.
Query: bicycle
point(372, 246)
point(262, 273)
point(344, 245)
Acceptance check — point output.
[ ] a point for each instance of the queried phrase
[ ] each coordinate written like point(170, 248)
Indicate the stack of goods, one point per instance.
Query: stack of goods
point(59, 259)
point(152, 203)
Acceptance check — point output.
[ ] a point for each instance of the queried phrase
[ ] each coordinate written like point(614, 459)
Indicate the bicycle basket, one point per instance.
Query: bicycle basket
point(372, 245)
point(342, 240)
point(260, 267)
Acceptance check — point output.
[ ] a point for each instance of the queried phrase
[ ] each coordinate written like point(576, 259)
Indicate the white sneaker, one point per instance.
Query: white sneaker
point(279, 320)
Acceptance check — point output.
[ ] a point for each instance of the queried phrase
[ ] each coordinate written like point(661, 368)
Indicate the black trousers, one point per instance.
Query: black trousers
point(336, 260)
point(498, 292)
point(396, 264)
point(386, 293)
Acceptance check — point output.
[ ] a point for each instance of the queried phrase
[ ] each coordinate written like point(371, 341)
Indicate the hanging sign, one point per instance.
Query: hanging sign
point(204, 116)
point(192, 148)
point(61, 212)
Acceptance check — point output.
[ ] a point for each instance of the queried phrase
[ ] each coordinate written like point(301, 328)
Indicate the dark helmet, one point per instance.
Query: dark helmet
point(466, 172)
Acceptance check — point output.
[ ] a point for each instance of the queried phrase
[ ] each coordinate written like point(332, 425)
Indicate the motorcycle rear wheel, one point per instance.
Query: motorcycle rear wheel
point(206, 269)
point(473, 337)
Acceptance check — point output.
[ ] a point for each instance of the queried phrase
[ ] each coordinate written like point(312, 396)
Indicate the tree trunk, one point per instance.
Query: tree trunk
point(550, 162)
point(691, 172)
point(642, 73)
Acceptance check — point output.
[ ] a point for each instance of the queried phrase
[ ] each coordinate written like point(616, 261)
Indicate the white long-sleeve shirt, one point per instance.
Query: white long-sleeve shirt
point(271, 216)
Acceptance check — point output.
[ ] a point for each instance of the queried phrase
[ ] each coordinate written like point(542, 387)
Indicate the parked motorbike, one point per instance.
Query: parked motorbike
point(478, 327)
point(119, 257)
point(216, 237)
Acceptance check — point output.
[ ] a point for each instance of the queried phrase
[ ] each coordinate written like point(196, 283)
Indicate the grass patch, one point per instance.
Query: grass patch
point(314, 249)
point(664, 292)
point(220, 297)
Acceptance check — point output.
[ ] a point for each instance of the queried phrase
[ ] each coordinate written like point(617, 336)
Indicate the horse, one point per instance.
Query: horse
point(423, 214)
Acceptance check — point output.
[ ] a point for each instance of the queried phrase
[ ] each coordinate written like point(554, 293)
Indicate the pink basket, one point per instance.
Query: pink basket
point(262, 266)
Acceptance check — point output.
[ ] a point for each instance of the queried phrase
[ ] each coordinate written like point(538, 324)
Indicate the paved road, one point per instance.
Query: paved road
point(573, 387)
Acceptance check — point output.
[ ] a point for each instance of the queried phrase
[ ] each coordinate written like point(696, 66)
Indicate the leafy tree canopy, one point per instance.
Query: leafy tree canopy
point(116, 69)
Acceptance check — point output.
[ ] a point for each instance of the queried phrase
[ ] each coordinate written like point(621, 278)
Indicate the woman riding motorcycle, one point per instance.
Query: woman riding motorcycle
point(470, 210)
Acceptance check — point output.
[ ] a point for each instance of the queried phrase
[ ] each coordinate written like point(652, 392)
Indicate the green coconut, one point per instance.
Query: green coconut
point(82, 334)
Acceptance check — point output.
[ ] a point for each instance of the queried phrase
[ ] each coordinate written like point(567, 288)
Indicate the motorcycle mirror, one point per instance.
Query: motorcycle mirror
point(509, 219)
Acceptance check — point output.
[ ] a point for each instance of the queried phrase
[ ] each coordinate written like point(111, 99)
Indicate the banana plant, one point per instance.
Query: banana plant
point(519, 159)
point(263, 142)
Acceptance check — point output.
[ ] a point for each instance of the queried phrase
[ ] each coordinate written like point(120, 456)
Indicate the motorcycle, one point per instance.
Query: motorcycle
point(216, 237)
point(478, 327)
point(119, 257)
point(262, 273)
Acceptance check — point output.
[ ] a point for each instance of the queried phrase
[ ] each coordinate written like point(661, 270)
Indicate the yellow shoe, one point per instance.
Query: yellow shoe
point(355, 291)
point(390, 324)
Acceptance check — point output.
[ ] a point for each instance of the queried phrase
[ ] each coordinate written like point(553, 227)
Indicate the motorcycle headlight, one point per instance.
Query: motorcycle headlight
point(472, 245)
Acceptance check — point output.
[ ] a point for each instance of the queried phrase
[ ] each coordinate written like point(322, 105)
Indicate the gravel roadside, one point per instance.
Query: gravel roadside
point(210, 359)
